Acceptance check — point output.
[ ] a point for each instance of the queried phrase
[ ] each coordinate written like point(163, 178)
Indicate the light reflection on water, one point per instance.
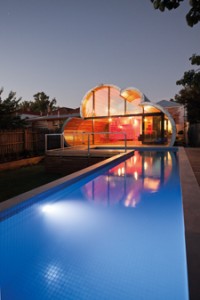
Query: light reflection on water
point(127, 183)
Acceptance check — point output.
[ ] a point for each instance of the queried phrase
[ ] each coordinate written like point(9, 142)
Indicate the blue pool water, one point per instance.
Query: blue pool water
point(117, 235)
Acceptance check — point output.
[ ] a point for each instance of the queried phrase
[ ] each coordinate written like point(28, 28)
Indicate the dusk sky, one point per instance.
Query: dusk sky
point(66, 47)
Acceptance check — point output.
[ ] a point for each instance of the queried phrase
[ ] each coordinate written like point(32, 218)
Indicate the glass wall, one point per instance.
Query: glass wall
point(123, 114)
point(154, 132)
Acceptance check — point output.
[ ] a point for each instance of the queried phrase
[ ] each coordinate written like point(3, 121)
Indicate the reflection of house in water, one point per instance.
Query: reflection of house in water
point(125, 183)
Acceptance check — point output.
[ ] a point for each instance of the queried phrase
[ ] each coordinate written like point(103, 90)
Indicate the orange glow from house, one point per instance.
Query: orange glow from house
point(131, 201)
point(113, 112)
point(151, 184)
point(136, 175)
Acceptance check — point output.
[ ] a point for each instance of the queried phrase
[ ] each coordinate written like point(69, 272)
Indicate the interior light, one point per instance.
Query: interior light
point(145, 165)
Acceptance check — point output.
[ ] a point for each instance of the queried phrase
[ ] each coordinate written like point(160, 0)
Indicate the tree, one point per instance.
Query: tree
point(8, 109)
point(52, 104)
point(42, 104)
point(189, 96)
point(191, 78)
point(26, 106)
point(192, 17)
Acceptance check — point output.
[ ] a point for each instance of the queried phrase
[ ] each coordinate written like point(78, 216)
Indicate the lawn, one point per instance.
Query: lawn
point(18, 181)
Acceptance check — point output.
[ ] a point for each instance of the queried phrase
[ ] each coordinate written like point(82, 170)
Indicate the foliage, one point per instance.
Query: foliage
point(192, 17)
point(191, 78)
point(8, 108)
point(41, 104)
point(189, 96)
point(25, 106)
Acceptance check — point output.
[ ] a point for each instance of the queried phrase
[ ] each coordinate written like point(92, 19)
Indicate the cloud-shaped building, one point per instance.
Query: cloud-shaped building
point(112, 115)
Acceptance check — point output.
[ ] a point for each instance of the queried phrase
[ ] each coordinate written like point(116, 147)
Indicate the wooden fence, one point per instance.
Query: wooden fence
point(18, 143)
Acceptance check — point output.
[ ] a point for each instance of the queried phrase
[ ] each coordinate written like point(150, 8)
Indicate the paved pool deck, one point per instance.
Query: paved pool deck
point(190, 182)
point(193, 155)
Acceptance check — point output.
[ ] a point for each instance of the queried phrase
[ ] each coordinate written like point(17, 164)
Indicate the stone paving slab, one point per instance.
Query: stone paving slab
point(193, 155)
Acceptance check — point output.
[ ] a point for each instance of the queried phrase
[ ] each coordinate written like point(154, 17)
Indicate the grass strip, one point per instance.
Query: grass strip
point(18, 181)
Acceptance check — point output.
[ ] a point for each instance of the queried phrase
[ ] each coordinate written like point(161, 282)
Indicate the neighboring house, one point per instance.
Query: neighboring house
point(54, 121)
point(24, 116)
point(65, 111)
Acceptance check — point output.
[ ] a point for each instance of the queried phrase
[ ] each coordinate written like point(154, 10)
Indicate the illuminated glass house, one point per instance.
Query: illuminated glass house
point(112, 115)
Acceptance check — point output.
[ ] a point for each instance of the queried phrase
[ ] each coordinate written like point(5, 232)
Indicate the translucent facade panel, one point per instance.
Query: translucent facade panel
point(101, 102)
point(116, 103)
point(106, 100)
point(131, 95)
point(134, 107)
point(87, 106)
point(150, 109)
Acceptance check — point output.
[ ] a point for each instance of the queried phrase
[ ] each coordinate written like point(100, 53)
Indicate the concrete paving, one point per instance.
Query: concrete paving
point(193, 155)
point(189, 174)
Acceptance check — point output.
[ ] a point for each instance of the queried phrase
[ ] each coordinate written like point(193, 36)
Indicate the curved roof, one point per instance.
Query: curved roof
point(103, 93)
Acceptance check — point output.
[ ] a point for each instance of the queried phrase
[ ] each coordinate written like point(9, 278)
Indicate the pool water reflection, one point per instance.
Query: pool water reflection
point(126, 182)
point(118, 235)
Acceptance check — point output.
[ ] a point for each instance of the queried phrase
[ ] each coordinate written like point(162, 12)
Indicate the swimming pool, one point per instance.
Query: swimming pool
point(116, 234)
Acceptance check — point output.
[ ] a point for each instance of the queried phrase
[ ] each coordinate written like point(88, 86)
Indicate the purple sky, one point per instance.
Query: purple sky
point(66, 47)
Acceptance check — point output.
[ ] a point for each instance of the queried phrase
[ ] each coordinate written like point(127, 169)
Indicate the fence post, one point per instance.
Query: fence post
point(25, 140)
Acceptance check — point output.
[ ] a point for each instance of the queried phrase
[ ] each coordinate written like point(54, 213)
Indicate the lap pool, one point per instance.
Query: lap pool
point(116, 234)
